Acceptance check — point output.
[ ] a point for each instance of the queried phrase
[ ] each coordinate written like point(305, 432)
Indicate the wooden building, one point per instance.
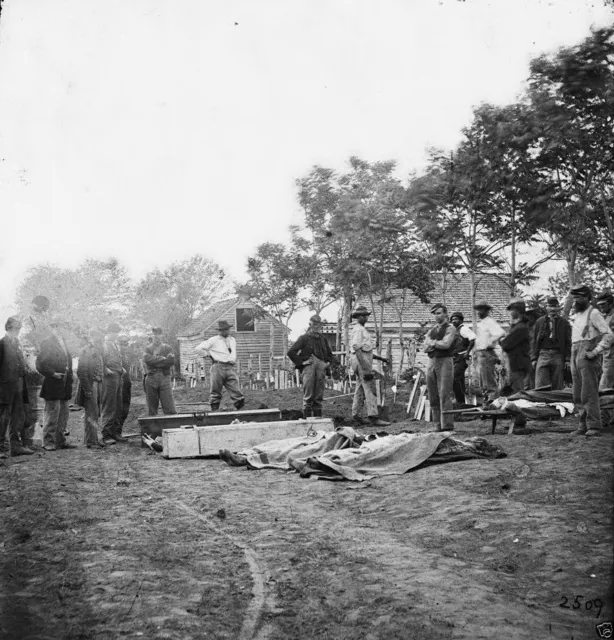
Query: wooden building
point(259, 336)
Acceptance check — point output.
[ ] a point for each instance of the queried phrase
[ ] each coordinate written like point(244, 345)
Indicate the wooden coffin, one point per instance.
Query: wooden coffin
point(154, 425)
point(194, 442)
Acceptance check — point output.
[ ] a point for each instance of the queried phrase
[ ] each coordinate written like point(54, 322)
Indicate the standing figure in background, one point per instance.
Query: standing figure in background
point(590, 337)
point(439, 346)
point(487, 337)
point(461, 353)
point(112, 387)
point(158, 360)
point(13, 391)
point(361, 361)
point(90, 374)
point(605, 304)
point(124, 347)
point(54, 363)
point(222, 349)
point(551, 350)
point(312, 356)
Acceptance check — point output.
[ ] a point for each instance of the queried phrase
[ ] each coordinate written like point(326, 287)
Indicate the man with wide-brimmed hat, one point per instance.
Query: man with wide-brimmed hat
point(439, 346)
point(488, 332)
point(361, 361)
point(113, 371)
point(590, 337)
point(461, 353)
point(551, 349)
point(222, 349)
point(605, 304)
point(312, 355)
point(158, 360)
point(90, 372)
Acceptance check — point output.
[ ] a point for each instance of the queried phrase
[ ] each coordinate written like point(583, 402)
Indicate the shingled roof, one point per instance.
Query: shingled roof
point(493, 288)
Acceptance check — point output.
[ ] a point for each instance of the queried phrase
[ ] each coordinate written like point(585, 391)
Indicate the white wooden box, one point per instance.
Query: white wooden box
point(207, 441)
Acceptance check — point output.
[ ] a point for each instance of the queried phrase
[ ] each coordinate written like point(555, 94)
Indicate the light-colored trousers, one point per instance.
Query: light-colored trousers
point(439, 381)
point(365, 390)
point(314, 377)
point(55, 420)
point(224, 374)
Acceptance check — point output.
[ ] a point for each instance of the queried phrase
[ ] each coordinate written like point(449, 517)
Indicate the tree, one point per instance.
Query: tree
point(594, 276)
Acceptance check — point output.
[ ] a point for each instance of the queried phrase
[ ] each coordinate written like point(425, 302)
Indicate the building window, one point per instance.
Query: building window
point(245, 319)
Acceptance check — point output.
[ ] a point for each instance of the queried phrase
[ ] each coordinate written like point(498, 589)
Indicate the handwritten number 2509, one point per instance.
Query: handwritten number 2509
point(596, 603)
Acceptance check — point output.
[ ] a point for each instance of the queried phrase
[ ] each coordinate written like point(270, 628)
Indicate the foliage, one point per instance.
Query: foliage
point(594, 276)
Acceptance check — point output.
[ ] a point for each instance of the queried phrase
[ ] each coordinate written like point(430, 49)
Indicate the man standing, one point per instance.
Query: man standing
point(126, 382)
point(312, 355)
point(90, 374)
point(517, 345)
point(13, 390)
point(439, 345)
point(361, 361)
point(158, 360)
point(222, 349)
point(54, 363)
point(590, 336)
point(461, 352)
point(111, 387)
point(488, 333)
point(551, 352)
point(605, 304)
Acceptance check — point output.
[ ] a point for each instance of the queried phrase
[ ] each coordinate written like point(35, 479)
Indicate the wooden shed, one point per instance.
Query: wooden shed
point(259, 336)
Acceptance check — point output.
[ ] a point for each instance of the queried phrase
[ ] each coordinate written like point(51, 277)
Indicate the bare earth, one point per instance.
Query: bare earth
point(123, 543)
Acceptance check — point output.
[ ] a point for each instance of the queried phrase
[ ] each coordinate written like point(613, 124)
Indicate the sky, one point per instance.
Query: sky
point(152, 130)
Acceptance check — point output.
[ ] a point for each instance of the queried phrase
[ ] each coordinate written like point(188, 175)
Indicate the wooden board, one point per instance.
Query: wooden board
point(154, 425)
point(194, 442)
point(413, 391)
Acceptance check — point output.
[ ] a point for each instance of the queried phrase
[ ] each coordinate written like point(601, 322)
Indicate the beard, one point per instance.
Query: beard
point(580, 305)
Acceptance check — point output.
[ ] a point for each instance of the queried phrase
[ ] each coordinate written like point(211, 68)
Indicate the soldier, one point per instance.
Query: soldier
point(54, 363)
point(124, 347)
point(361, 361)
point(438, 345)
point(158, 360)
point(461, 353)
point(605, 304)
point(551, 350)
point(222, 349)
point(13, 390)
point(90, 374)
point(112, 387)
point(488, 333)
point(590, 337)
point(312, 356)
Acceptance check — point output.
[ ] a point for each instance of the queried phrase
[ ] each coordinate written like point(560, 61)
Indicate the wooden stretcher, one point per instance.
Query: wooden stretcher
point(494, 414)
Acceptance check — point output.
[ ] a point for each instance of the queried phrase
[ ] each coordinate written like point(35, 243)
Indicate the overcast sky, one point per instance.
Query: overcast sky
point(150, 130)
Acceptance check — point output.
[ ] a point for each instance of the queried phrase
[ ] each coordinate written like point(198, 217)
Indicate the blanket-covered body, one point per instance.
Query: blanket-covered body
point(347, 454)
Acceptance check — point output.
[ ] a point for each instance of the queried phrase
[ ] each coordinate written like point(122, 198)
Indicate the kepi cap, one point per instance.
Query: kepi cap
point(315, 318)
point(457, 314)
point(517, 303)
point(581, 290)
point(482, 304)
point(439, 305)
point(157, 331)
point(552, 301)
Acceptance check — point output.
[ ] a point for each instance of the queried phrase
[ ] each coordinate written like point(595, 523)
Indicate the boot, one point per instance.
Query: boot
point(307, 413)
point(376, 422)
point(317, 413)
point(239, 404)
point(359, 420)
point(18, 450)
point(215, 406)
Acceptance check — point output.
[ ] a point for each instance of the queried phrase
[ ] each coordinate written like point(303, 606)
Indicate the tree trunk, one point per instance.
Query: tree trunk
point(513, 258)
point(347, 306)
point(571, 257)
point(474, 318)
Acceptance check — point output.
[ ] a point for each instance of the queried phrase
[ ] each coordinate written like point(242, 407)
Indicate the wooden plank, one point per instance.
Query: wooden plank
point(181, 443)
point(421, 405)
point(413, 391)
point(427, 410)
point(154, 425)
point(419, 402)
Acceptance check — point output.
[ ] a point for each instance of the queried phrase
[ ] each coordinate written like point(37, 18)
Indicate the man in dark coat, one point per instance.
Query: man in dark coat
point(54, 363)
point(126, 382)
point(13, 390)
point(113, 371)
point(158, 360)
point(551, 352)
point(90, 374)
point(312, 355)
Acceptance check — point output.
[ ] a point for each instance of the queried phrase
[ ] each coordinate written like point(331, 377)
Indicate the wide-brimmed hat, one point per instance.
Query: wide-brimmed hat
point(517, 303)
point(439, 305)
point(581, 290)
point(457, 314)
point(361, 311)
point(222, 325)
point(552, 301)
point(482, 304)
point(605, 296)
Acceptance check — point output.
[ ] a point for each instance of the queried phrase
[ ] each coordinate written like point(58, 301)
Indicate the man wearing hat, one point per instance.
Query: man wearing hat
point(222, 349)
point(488, 332)
point(90, 374)
point(590, 337)
point(551, 349)
point(605, 304)
point(13, 390)
point(54, 363)
point(461, 352)
point(312, 355)
point(111, 386)
point(157, 361)
point(124, 350)
point(439, 345)
point(361, 361)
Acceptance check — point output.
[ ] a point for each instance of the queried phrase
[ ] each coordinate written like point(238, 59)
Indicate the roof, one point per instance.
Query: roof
point(216, 311)
point(494, 288)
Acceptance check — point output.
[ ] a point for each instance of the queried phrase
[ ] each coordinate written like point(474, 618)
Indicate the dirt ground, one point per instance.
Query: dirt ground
point(123, 543)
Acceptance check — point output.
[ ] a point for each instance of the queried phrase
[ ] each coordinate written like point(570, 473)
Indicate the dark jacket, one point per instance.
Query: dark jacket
point(12, 368)
point(310, 344)
point(90, 370)
point(50, 360)
point(159, 358)
point(517, 345)
point(112, 357)
point(562, 334)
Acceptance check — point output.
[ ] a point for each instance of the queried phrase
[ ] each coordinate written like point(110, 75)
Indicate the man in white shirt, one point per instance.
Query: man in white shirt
point(590, 337)
point(463, 344)
point(222, 349)
point(488, 333)
point(605, 304)
point(361, 361)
